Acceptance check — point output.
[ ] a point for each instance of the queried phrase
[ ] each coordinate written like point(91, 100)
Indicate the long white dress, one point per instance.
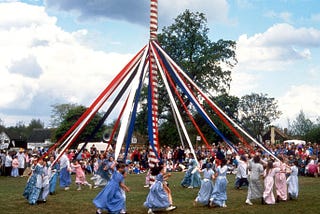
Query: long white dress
point(255, 189)
point(293, 183)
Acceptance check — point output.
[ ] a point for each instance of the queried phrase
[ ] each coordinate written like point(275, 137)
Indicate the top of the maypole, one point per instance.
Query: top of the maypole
point(153, 19)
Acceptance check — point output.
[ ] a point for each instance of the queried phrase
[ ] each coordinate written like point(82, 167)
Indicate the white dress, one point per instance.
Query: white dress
point(293, 183)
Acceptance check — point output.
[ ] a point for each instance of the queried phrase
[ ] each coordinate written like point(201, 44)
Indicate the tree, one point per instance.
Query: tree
point(207, 63)
point(34, 124)
point(59, 111)
point(313, 135)
point(257, 111)
point(229, 105)
point(301, 126)
point(71, 117)
point(187, 42)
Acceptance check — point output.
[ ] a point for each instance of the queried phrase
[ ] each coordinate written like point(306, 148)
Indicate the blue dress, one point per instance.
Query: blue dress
point(111, 198)
point(65, 177)
point(34, 185)
point(219, 193)
point(206, 187)
point(53, 178)
point(157, 197)
point(192, 178)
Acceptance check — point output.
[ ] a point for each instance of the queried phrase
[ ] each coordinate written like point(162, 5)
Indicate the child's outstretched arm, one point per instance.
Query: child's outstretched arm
point(124, 187)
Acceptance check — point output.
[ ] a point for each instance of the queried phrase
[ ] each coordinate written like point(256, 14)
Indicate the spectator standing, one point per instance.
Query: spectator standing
point(8, 164)
point(22, 161)
point(15, 165)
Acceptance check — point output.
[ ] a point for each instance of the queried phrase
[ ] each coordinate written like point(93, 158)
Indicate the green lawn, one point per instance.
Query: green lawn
point(80, 202)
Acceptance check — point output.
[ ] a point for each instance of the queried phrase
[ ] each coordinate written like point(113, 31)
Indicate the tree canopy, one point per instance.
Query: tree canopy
point(207, 63)
point(257, 111)
point(71, 116)
point(187, 42)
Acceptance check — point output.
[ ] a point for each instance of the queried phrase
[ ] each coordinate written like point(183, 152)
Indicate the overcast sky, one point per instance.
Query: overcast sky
point(67, 51)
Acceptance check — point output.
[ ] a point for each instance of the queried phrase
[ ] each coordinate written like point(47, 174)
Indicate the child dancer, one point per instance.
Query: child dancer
point(280, 181)
point(34, 184)
point(219, 193)
point(159, 197)
point(65, 177)
point(111, 197)
point(45, 184)
point(206, 186)
point(269, 174)
point(192, 177)
point(53, 175)
point(80, 175)
point(255, 189)
point(293, 181)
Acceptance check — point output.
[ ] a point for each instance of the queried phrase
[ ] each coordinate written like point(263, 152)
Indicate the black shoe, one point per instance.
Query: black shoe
point(262, 201)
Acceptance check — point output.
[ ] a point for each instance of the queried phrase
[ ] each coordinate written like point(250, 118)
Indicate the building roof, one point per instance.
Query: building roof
point(279, 135)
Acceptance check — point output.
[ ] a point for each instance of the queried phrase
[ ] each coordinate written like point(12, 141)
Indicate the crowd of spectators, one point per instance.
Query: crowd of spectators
point(176, 158)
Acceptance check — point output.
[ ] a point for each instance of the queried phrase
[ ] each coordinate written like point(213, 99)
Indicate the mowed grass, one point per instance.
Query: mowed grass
point(80, 202)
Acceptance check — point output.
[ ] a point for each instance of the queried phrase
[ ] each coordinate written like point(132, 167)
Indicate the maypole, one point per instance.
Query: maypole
point(153, 86)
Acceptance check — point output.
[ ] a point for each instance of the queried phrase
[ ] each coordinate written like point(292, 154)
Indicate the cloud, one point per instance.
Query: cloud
point(283, 16)
point(27, 67)
point(131, 11)
point(280, 45)
point(297, 98)
point(41, 65)
point(137, 12)
point(279, 51)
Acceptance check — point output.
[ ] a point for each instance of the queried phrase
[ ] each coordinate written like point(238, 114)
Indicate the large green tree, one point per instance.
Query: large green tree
point(71, 117)
point(257, 111)
point(208, 63)
point(187, 42)
point(58, 113)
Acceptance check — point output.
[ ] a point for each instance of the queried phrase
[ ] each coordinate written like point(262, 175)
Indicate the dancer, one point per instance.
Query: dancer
point(34, 183)
point(111, 197)
point(103, 173)
point(65, 169)
point(206, 186)
point(280, 181)
point(192, 177)
point(53, 171)
point(159, 197)
point(80, 175)
point(255, 189)
point(219, 193)
point(242, 175)
point(269, 173)
point(293, 181)
point(45, 184)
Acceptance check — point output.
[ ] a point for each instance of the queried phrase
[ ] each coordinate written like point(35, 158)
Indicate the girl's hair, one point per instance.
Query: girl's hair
point(256, 159)
point(223, 161)
point(269, 166)
point(121, 166)
point(156, 170)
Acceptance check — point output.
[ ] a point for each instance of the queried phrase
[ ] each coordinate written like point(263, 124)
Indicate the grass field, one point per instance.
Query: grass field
point(80, 202)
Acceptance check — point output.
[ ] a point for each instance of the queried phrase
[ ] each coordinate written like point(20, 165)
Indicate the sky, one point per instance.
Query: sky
point(67, 51)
